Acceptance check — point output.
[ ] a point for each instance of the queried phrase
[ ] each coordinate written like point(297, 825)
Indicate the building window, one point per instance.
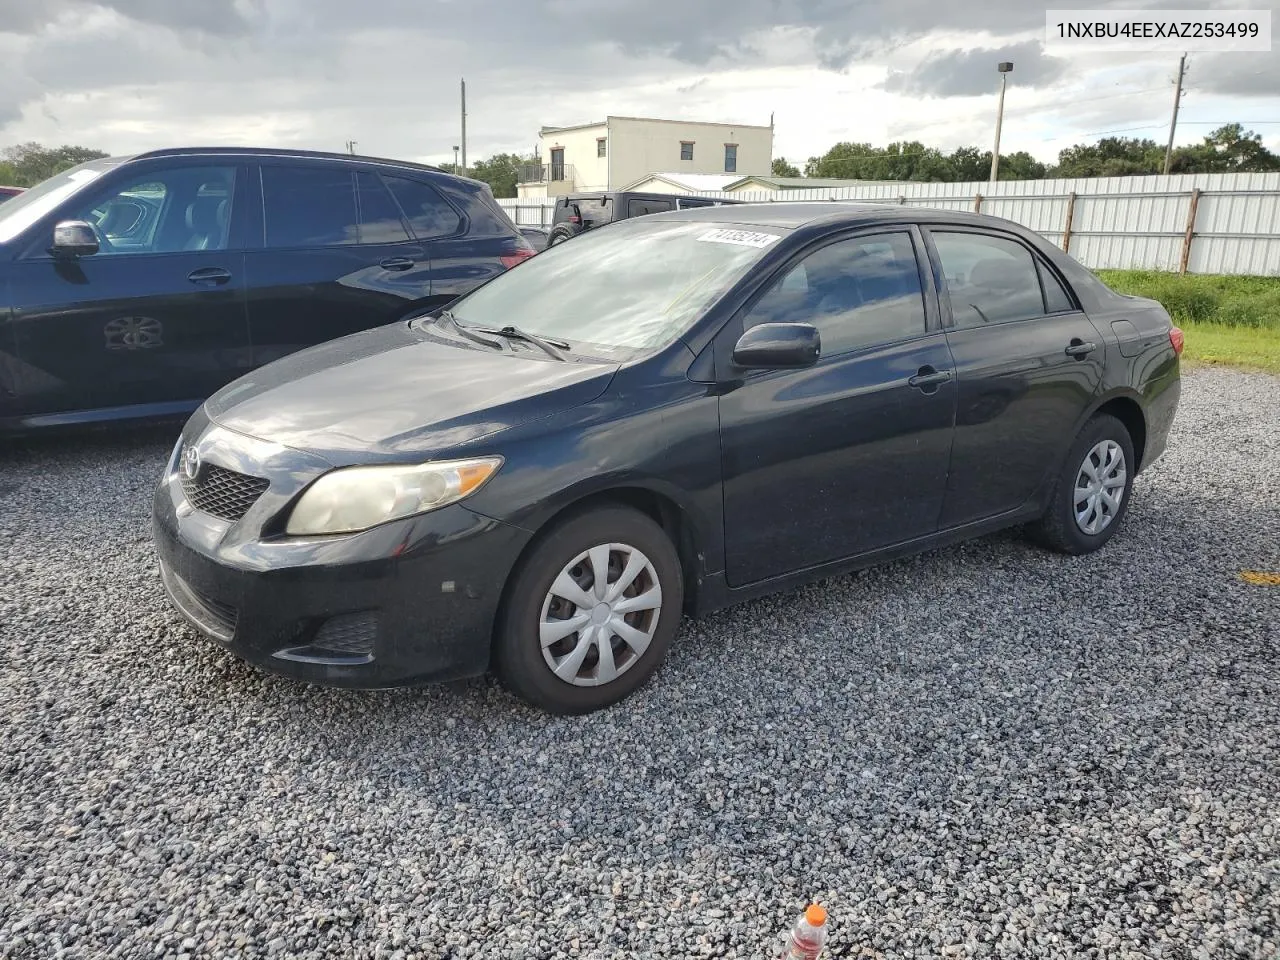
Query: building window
point(600, 146)
point(730, 158)
point(686, 149)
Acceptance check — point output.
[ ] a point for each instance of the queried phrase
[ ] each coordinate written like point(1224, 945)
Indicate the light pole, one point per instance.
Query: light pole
point(1005, 67)
point(455, 159)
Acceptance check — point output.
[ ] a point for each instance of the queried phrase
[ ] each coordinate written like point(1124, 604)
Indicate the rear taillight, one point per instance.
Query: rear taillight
point(575, 219)
point(1177, 339)
point(522, 254)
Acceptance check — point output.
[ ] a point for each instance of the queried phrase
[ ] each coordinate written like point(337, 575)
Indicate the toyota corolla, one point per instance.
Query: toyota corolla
point(669, 415)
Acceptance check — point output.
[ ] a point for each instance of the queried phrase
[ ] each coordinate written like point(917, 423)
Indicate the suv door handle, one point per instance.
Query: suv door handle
point(396, 263)
point(209, 276)
point(1079, 349)
point(927, 377)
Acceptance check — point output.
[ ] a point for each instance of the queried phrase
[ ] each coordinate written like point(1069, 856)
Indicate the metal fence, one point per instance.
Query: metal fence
point(1198, 223)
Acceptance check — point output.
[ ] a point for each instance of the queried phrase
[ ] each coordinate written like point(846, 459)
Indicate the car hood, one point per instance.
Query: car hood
point(398, 391)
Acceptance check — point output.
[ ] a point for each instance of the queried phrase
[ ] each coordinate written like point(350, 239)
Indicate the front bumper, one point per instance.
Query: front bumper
point(408, 602)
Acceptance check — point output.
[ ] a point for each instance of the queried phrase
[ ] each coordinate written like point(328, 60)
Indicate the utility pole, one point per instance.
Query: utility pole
point(455, 159)
point(1005, 68)
point(464, 128)
point(1173, 124)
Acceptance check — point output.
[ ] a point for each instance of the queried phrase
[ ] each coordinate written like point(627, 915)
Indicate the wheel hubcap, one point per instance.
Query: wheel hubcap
point(1100, 483)
point(600, 614)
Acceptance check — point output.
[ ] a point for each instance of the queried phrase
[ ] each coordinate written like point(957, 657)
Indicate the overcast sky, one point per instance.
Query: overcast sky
point(128, 75)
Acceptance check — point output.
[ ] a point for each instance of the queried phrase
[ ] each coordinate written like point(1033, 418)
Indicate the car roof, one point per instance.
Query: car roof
point(284, 153)
point(803, 213)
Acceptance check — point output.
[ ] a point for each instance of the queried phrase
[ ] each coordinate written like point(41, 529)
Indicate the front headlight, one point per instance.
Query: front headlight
point(356, 498)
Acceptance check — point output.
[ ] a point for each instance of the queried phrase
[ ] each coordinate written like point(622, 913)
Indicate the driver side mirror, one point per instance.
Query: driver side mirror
point(74, 238)
point(778, 346)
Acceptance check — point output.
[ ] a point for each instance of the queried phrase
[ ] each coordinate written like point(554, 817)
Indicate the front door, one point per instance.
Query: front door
point(156, 317)
point(849, 455)
point(337, 258)
point(1028, 365)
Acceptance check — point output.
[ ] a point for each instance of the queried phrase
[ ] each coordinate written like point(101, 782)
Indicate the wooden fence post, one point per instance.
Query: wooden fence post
point(902, 199)
point(1071, 215)
point(977, 203)
point(1191, 230)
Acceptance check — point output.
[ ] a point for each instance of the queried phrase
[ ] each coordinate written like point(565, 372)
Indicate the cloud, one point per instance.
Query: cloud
point(968, 73)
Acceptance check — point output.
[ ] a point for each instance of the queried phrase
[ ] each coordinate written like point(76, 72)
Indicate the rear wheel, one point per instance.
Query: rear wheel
point(591, 612)
point(1091, 495)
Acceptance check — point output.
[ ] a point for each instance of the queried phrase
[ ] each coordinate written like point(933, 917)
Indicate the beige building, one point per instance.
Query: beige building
point(620, 151)
point(757, 184)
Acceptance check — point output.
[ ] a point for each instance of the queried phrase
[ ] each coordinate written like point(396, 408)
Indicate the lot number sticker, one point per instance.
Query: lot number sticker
point(744, 238)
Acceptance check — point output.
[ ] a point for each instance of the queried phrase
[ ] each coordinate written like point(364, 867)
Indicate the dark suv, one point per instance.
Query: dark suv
point(136, 287)
point(581, 211)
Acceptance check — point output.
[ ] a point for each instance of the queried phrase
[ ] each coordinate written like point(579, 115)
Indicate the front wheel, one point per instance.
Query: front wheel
point(591, 612)
point(1091, 495)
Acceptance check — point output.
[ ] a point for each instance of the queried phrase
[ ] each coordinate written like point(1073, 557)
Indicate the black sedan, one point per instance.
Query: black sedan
point(676, 413)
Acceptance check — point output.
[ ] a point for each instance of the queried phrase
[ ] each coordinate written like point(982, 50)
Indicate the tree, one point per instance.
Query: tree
point(32, 162)
point(501, 172)
point(1229, 149)
point(783, 169)
point(1110, 157)
point(8, 175)
point(1019, 166)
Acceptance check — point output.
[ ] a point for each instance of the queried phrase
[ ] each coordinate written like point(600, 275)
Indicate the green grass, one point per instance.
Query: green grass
point(1227, 320)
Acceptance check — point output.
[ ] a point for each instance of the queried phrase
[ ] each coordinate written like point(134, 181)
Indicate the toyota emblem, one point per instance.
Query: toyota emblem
point(190, 462)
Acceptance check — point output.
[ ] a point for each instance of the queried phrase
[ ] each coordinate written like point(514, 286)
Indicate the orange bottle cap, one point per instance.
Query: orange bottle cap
point(816, 916)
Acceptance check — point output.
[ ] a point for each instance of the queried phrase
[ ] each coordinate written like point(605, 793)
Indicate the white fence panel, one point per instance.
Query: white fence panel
point(1116, 222)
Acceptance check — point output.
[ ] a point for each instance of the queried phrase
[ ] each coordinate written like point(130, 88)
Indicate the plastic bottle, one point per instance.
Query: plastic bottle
point(805, 942)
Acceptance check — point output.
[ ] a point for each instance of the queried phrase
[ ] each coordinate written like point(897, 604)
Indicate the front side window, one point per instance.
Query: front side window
point(309, 206)
point(989, 279)
point(860, 292)
point(686, 150)
point(730, 158)
point(165, 211)
point(636, 285)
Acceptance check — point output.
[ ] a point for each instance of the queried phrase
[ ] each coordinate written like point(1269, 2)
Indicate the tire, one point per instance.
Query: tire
point(558, 236)
point(566, 560)
point(1095, 448)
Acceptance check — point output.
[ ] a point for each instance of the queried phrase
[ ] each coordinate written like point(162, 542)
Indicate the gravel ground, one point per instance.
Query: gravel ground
point(985, 751)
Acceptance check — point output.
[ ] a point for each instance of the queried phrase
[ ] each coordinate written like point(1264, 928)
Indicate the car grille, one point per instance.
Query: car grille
point(223, 493)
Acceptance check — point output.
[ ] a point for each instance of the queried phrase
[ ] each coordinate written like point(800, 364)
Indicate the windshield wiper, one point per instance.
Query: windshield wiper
point(466, 331)
point(552, 347)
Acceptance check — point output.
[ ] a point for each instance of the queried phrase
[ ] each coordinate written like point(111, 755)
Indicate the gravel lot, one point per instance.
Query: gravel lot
point(985, 751)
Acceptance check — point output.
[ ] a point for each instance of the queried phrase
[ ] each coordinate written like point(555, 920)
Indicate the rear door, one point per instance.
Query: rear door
point(157, 316)
point(1028, 364)
point(335, 257)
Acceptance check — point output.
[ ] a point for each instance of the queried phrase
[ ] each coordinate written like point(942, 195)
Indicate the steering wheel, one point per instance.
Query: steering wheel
point(104, 245)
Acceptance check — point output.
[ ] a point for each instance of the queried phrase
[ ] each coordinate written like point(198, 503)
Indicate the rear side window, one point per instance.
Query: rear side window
point(379, 216)
point(309, 206)
point(638, 208)
point(427, 212)
point(989, 279)
point(1055, 295)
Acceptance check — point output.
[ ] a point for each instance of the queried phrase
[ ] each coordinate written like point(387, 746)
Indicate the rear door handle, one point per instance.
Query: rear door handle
point(209, 276)
point(928, 377)
point(1079, 349)
point(396, 263)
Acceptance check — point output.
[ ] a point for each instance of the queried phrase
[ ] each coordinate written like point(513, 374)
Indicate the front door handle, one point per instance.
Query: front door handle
point(396, 263)
point(928, 379)
point(1079, 349)
point(209, 276)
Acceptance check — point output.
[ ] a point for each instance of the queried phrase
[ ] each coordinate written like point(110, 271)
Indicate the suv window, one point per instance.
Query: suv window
point(638, 208)
point(858, 293)
point(989, 279)
point(309, 206)
point(379, 216)
point(166, 211)
point(429, 214)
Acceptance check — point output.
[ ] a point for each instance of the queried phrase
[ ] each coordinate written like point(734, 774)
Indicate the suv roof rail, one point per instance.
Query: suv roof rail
point(280, 152)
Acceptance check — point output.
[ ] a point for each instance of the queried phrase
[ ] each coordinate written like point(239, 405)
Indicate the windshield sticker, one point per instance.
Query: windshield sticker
point(745, 238)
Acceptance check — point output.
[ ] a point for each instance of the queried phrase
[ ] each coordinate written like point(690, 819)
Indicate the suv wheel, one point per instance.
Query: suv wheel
point(591, 612)
point(558, 235)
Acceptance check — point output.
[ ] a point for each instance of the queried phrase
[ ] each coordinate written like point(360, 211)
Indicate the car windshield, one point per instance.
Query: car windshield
point(636, 284)
point(26, 208)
